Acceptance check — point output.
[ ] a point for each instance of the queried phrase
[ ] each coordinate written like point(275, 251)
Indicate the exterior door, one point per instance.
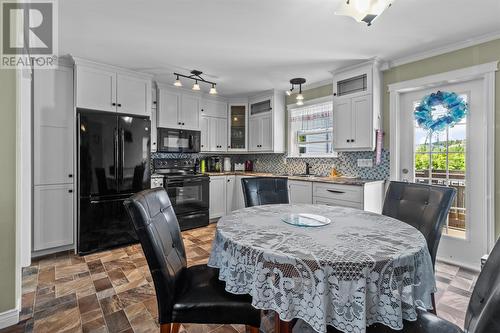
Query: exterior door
point(452, 157)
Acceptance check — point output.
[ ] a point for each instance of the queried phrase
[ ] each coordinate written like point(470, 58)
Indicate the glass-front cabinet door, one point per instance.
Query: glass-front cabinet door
point(238, 127)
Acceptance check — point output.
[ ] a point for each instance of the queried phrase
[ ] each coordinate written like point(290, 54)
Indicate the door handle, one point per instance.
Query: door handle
point(115, 151)
point(335, 191)
point(122, 153)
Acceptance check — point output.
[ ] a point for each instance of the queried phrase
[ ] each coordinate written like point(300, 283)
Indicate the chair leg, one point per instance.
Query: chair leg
point(252, 329)
point(434, 310)
point(176, 327)
point(165, 328)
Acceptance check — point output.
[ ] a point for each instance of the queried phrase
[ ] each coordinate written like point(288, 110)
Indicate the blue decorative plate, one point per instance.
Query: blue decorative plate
point(306, 220)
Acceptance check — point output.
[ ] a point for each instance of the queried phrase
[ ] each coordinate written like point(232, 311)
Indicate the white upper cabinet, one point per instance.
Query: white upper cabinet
point(205, 135)
point(214, 108)
point(267, 123)
point(178, 109)
point(215, 136)
point(53, 126)
point(134, 94)
point(109, 88)
point(96, 89)
point(189, 115)
point(356, 107)
point(168, 108)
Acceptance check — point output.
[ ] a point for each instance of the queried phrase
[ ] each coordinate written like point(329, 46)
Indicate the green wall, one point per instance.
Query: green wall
point(8, 189)
point(467, 57)
point(313, 93)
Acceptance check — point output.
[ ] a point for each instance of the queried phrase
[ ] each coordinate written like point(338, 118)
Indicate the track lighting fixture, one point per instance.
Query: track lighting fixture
point(178, 82)
point(196, 76)
point(213, 91)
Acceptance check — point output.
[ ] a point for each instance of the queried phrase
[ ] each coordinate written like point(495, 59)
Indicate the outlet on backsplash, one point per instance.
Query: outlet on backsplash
point(365, 163)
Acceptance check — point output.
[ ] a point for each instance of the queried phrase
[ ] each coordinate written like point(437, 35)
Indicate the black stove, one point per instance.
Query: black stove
point(187, 189)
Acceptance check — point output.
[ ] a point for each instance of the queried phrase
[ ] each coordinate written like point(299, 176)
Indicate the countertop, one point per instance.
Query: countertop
point(319, 179)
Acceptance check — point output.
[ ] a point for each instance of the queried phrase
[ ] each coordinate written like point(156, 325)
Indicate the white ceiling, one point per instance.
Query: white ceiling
point(248, 46)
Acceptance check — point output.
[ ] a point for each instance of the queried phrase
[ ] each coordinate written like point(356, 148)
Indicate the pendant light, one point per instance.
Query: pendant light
point(196, 86)
point(178, 82)
point(195, 76)
point(363, 10)
point(299, 81)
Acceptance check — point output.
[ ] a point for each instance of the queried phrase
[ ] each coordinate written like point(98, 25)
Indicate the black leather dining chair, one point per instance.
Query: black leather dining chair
point(265, 191)
point(424, 207)
point(184, 294)
point(482, 312)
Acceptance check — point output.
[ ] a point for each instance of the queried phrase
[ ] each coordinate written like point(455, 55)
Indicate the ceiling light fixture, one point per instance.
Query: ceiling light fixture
point(299, 81)
point(178, 82)
point(363, 10)
point(213, 91)
point(195, 76)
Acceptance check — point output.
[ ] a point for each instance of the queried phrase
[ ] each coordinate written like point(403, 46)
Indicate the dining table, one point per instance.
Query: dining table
point(325, 265)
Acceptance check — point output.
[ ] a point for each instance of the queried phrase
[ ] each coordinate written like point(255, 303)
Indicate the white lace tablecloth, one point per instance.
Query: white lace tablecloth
point(363, 268)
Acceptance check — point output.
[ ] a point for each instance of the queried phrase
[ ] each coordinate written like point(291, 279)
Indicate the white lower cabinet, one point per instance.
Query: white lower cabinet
point(226, 194)
point(300, 192)
point(230, 188)
point(217, 196)
point(53, 216)
point(368, 197)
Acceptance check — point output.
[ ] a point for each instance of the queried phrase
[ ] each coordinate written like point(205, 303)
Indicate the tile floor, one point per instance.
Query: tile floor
point(112, 291)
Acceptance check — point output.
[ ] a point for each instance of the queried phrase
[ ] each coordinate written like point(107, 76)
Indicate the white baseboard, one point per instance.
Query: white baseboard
point(9, 318)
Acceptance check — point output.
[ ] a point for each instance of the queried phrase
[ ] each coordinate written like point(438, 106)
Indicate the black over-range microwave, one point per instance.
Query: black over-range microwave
point(172, 140)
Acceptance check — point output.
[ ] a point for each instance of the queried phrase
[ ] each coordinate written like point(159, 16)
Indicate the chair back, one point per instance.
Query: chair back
point(484, 307)
point(424, 207)
point(158, 230)
point(265, 191)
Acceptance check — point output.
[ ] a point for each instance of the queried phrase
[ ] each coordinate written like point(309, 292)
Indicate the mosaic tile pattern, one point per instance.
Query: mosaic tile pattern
point(112, 291)
point(345, 163)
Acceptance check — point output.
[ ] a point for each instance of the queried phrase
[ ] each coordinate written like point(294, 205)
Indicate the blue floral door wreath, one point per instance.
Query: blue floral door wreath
point(425, 113)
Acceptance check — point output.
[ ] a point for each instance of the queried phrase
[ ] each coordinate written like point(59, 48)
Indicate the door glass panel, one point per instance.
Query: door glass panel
point(238, 127)
point(440, 159)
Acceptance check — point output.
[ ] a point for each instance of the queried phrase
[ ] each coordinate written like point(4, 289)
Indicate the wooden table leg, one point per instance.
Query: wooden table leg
point(281, 326)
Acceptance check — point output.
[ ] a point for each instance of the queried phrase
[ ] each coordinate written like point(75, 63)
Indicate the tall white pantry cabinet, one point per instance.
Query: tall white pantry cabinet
point(53, 152)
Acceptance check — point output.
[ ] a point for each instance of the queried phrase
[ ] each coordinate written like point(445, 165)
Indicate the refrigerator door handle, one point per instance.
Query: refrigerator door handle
point(122, 166)
point(115, 151)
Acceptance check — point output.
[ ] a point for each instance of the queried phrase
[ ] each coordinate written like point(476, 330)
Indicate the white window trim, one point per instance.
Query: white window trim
point(291, 107)
point(484, 72)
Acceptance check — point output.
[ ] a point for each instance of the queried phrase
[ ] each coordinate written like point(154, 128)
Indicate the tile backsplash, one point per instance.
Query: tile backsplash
point(345, 163)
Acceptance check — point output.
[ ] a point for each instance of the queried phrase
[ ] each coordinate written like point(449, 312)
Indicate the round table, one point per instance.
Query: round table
point(361, 269)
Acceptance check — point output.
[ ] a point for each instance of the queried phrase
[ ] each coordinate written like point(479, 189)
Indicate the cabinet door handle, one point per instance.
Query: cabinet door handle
point(119, 105)
point(348, 140)
point(179, 123)
point(183, 124)
point(70, 191)
point(352, 140)
point(114, 104)
point(336, 191)
point(202, 110)
point(70, 175)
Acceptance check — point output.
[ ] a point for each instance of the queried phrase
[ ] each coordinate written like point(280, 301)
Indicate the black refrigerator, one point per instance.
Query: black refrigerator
point(113, 160)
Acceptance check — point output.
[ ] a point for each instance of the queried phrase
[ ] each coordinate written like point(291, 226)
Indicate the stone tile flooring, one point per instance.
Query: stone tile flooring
point(112, 291)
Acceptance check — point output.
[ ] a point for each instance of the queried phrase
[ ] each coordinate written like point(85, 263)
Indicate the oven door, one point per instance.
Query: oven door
point(188, 194)
point(172, 140)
